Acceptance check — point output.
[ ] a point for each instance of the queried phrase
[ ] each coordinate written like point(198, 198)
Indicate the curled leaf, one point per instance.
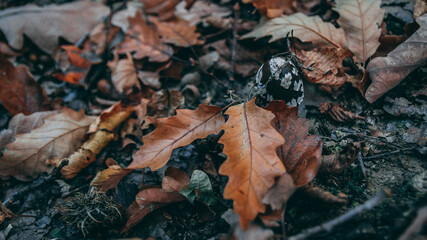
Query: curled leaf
point(250, 144)
point(387, 72)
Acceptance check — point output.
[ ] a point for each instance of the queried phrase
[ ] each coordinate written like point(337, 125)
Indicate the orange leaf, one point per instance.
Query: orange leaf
point(250, 143)
point(273, 8)
point(144, 41)
point(178, 32)
point(327, 65)
point(361, 21)
point(175, 132)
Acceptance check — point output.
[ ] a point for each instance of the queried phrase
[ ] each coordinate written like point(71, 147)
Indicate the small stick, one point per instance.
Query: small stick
point(328, 226)
point(362, 166)
point(387, 154)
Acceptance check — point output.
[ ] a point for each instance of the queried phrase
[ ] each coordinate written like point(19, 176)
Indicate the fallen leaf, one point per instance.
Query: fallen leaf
point(44, 25)
point(164, 103)
point(420, 7)
point(200, 11)
point(307, 29)
point(101, 177)
point(250, 143)
point(177, 31)
point(337, 162)
point(101, 134)
point(144, 40)
point(162, 8)
point(387, 72)
point(199, 188)
point(19, 92)
point(59, 135)
point(338, 113)
point(124, 75)
point(175, 180)
point(273, 8)
point(150, 79)
point(300, 153)
point(325, 197)
point(174, 132)
point(361, 21)
point(326, 64)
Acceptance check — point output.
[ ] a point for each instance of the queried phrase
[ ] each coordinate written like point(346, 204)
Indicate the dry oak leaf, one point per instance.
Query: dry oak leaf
point(164, 9)
point(361, 21)
point(200, 11)
point(124, 75)
point(59, 135)
point(44, 25)
point(273, 8)
point(19, 92)
point(144, 40)
point(300, 153)
point(174, 132)
point(387, 72)
point(307, 29)
point(250, 143)
point(177, 31)
point(327, 65)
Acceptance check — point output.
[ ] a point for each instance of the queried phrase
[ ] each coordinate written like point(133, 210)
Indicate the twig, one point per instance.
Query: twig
point(328, 226)
point(362, 166)
point(416, 225)
point(387, 154)
point(42, 180)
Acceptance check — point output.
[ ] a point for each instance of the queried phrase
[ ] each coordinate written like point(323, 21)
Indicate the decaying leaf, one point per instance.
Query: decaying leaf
point(326, 64)
point(144, 40)
point(250, 143)
point(273, 8)
point(164, 103)
point(174, 132)
point(44, 25)
point(361, 21)
point(103, 176)
point(19, 92)
point(387, 72)
point(124, 75)
point(59, 135)
point(300, 153)
point(338, 113)
point(101, 133)
point(177, 31)
point(307, 29)
point(200, 11)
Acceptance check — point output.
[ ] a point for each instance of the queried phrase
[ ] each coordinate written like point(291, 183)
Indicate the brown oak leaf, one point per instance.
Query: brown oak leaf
point(361, 21)
point(174, 132)
point(307, 29)
point(44, 25)
point(326, 64)
point(60, 135)
point(144, 40)
point(387, 72)
point(250, 142)
point(273, 8)
point(19, 92)
point(177, 31)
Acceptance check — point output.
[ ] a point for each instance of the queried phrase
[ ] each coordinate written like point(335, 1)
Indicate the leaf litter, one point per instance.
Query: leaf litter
point(166, 85)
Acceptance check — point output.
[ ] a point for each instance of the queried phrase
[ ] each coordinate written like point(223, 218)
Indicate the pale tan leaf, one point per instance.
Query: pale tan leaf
point(200, 11)
point(307, 29)
point(124, 75)
point(44, 25)
point(361, 21)
point(59, 135)
point(174, 132)
point(250, 143)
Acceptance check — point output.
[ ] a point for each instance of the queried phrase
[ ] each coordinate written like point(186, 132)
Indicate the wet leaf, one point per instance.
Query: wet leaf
point(19, 92)
point(388, 72)
point(361, 21)
point(60, 135)
point(44, 25)
point(250, 144)
point(174, 132)
point(307, 29)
